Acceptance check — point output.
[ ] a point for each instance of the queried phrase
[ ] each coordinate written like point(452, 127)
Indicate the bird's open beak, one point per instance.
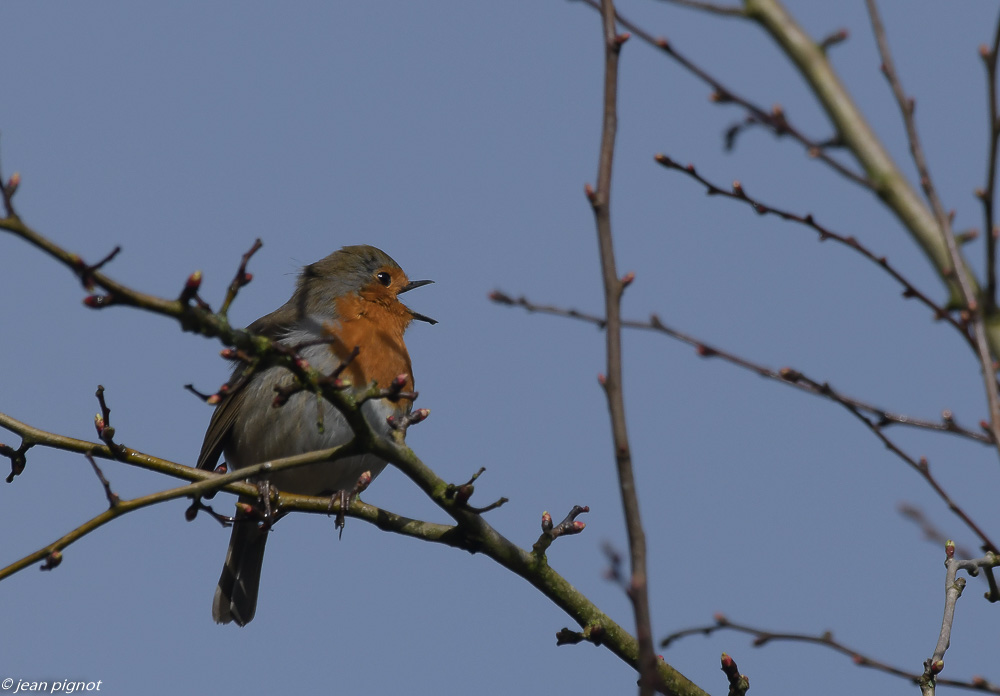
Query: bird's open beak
point(423, 317)
point(416, 284)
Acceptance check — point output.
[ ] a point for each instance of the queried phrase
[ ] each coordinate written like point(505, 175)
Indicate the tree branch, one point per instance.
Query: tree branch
point(471, 531)
point(988, 194)
point(762, 637)
point(884, 417)
point(649, 677)
point(860, 410)
point(968, 290)
point(825, 233)
point(953, 590)
point(774, 119)
point(887, 180)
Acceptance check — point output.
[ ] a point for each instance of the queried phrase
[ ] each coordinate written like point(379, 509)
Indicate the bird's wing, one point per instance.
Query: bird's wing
point(224, 416)
point(222, 421)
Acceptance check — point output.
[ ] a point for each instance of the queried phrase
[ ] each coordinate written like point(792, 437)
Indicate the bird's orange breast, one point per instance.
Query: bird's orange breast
point(376, 328)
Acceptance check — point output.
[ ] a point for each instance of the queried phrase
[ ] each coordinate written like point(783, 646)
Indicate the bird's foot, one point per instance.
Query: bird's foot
point(343, 500)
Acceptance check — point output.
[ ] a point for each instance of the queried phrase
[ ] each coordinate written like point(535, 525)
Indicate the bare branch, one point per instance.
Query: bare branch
point(550, 532)
point(958, 266)
point(774, 119)
point(600, 200)
point(739, 194)
point(240, 279)
point(882, 416)
point(113, 499)
point(7, 190)
point(102, 423)
point(988, 194)
point(930, 532)
point(870, 416)
point(762, 638)
point(953, 590)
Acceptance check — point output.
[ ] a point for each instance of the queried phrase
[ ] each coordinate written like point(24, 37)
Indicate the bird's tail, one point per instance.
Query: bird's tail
point(236, 595)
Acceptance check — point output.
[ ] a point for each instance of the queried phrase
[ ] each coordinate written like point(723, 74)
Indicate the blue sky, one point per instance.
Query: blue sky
point(458, 137)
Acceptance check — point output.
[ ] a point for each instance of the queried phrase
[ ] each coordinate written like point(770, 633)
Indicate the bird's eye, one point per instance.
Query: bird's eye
point(384, 278)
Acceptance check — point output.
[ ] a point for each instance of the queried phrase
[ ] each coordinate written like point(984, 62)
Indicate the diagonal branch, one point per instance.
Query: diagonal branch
point(882, 416)
point(871, 417)
point(888, 181)
point(774, 119)
point(762, 637)
point(739, 194)
point(957, 263)
point(471, 531)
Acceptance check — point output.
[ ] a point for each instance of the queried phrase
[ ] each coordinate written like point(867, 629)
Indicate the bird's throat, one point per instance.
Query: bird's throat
point(376, 328)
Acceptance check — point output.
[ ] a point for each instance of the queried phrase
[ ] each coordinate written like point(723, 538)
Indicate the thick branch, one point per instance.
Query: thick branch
point(471, 532)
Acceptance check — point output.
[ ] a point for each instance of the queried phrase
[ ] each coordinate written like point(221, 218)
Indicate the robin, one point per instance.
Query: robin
point(348, 299)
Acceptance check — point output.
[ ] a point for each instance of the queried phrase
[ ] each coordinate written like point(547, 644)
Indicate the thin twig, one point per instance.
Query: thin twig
point(888, 182)
point(884, 417)
point(102, 423)
point(7, 189)
point(774, 119)
point(921, 466)
point(988, 194)
point(953, 590)
point(762, 637)
point(958, 266)
point(240, 279)
point(649, 677)
point(113, 499)
point(870, 416)
point(739, 194)
point(569, 525)
point(931, 533)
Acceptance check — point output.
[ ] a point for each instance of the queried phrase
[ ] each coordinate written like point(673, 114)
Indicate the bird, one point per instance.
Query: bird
point(347, 300)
